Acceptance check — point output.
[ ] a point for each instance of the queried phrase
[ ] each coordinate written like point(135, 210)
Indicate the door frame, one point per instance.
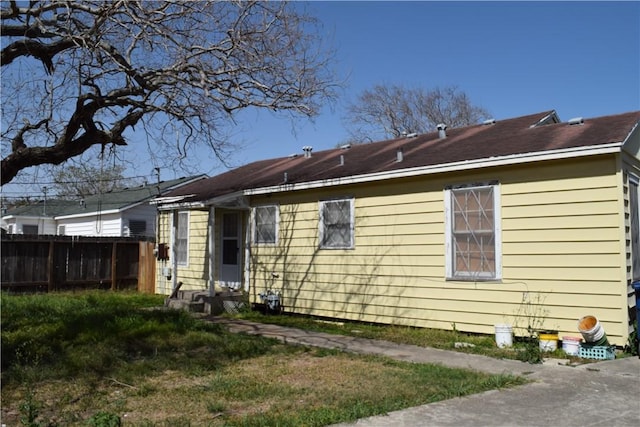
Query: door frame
point(224, 269)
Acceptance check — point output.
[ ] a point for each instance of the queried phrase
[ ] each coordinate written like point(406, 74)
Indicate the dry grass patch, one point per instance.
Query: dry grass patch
point(306, 387)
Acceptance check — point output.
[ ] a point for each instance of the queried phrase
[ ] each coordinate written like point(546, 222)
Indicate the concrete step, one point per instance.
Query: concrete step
point(181, 304)
point(193, 295)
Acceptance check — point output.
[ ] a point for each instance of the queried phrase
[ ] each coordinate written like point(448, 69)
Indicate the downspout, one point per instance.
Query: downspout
point(247, 252)
point(174, 251)
point(626, 290)
point(212, 250)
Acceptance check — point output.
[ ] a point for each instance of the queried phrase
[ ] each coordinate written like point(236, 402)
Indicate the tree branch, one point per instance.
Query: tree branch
point(63, 150)
point(43, 52)
point(181, 64)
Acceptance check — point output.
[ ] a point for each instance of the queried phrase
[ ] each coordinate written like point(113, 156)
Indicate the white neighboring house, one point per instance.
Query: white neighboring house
point(36, 218)
point(120, 213)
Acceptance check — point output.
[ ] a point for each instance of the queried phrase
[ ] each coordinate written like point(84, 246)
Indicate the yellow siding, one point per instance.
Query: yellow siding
point(560, 244)
point(195, 274)
point(163, 285)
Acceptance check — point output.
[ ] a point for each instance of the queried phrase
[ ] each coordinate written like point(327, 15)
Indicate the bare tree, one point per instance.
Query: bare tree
point(388, 111)
point(81, 179)
point(81, 73)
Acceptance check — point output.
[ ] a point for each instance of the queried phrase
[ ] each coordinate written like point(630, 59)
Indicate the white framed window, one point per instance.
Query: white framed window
point(473, 233)
point(265, 224)
point(182, 238)
point(336, 226)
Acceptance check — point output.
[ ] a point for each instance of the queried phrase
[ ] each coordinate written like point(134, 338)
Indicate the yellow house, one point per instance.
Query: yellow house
point(530, 222)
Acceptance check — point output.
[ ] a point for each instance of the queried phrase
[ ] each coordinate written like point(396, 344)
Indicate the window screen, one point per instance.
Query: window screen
point(265, 224)
point(336, 224)
point(182, 238)
point(472, 231)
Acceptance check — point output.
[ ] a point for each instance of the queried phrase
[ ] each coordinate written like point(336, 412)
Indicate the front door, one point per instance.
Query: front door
point(231, 250)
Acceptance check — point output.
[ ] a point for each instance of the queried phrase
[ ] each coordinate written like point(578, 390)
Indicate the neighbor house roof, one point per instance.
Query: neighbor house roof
point(117, 200)
point(50, 208)
point(525, 138)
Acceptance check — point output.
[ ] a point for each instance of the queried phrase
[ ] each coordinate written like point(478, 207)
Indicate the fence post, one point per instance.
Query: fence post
point(146, 268)
point(114, 269)
point(51, 267)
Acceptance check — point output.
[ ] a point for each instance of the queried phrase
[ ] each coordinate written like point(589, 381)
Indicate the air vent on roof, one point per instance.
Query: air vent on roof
point(442, 130)
point(345, 146)
point(399, 155)
point(412, 135)
point(291, 156)
point(341, 159)
point(489, 122)
point(307, 151)
point(576, 121)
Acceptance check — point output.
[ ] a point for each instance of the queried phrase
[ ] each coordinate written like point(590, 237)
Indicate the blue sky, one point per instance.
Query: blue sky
point(512, 58)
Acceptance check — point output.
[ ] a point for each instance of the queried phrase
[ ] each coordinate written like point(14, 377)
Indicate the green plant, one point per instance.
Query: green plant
point(529, 321)
point(104, 419)
point(29, 410)
point(215, 407)
point(529, 350)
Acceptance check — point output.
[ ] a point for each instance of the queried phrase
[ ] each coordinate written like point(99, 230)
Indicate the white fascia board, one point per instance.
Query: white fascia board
point(169, 199)
point(630, 136)
point(446, 167)
point(179, 206)
point(92, 213)
point(17, 217)
point(226, 199)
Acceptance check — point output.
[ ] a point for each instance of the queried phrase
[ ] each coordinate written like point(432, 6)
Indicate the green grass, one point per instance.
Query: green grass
point(110, 359)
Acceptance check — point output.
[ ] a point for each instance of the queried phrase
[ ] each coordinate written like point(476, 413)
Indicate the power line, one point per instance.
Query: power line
point(79, 180)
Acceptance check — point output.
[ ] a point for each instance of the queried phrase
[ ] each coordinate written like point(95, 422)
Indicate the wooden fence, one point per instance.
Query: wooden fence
point(56, 263)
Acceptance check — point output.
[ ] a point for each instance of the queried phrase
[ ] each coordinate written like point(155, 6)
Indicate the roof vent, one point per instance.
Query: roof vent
point(412, 135)
point(345, 146)
point(442, 130)
point(307, 151)
point(294, 155)
point(399, 155)
point(341, 159)
point(489, 122)
point(576, 121)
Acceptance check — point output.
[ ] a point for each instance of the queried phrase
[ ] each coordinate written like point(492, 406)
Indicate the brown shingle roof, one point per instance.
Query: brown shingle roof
point(516, 136)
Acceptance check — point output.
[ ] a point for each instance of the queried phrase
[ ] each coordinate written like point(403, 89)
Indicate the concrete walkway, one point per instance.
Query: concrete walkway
point(605, 393)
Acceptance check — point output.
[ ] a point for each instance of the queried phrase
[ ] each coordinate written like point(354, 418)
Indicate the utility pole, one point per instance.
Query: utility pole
point(158, 179)
point(44, 208)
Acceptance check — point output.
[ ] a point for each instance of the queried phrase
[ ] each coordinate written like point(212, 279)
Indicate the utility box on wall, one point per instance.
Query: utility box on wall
point(163, 252)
